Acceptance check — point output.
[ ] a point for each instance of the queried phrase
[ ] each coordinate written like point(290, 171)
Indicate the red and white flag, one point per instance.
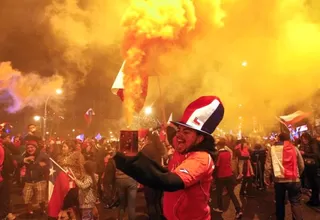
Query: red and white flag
point(58, 188)
point(294, 117)
point(88, 115)
point(170, 119)
point(118, 87)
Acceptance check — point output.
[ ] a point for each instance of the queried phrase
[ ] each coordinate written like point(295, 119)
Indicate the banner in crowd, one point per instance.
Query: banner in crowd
point(58, 188)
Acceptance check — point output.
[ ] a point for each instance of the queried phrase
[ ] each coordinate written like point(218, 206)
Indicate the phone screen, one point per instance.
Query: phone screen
point(129, 141)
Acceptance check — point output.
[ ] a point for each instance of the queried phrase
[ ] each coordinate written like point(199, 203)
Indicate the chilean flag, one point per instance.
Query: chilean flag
point(294, 117)
point(118, 87)
point(88, 115)
point(58, 187)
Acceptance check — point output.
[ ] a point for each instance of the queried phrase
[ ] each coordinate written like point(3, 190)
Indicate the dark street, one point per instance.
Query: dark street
point(261, 207)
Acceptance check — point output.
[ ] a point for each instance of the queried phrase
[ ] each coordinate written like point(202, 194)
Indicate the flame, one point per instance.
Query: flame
point(153, 28)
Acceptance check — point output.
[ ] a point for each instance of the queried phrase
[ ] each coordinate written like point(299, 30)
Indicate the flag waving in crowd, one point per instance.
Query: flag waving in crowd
point(294, 117)
point(58, 188)
point(117, 87)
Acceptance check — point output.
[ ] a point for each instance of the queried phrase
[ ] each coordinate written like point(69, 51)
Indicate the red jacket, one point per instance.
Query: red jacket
point(1, 161)
point(195, 169)
point(223, 164)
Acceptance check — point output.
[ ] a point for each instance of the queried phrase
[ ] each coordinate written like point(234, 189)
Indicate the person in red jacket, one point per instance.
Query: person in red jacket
point(3, 188)
point(187, 180)
point(225, 177)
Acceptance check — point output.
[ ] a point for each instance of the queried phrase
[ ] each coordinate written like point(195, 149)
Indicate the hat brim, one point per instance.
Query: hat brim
point(188, 126)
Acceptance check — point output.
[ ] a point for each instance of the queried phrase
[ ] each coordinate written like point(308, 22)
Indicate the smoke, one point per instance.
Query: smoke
point(25, 90)
point(83, 28)
point(198, 48)
point(262, 59)
point(68, 37)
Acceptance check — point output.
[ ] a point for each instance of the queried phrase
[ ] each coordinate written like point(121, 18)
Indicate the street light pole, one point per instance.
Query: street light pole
point(58, 92)
point(45, 118)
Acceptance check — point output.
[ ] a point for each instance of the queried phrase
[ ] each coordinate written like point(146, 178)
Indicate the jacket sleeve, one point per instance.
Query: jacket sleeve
point(84, 184)
point(194, 168)
point(44, 158)
point(148, 173)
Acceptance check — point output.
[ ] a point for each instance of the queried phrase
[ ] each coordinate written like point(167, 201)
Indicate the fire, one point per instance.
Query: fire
point(152, 28)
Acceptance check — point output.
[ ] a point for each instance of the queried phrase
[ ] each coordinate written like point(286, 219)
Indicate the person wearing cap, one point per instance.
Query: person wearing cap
point(37, 169)
point(187, 180)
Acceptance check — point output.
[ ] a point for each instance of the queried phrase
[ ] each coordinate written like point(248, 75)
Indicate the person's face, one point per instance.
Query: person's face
point(304, 140)
point(186, 139)
point(32, 128)
point(31, 149)
point(65, 148)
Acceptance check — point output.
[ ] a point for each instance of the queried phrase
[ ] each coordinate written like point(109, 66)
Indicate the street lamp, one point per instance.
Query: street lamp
point(58, 92)
point(244, 63)
point(36, 118)
point(148, 110)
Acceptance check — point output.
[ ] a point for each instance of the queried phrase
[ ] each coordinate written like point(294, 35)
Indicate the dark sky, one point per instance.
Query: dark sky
point(28, 42)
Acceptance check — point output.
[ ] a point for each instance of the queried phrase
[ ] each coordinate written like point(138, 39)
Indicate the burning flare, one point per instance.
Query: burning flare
point(152, 28)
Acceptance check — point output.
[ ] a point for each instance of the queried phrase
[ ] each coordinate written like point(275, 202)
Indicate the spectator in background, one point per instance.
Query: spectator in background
point(154, 149)
point(245, 168)
point(258, 158)
point(286, 171)
point(37, 169)
point(101, 153)
point(15, 158)
point(127, 188)
point(4, 188)
point(225, 177)
point(32, 135)
point(311, 156)
point(88, 192)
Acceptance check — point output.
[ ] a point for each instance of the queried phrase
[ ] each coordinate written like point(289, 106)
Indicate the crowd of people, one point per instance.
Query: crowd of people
point(177, 175)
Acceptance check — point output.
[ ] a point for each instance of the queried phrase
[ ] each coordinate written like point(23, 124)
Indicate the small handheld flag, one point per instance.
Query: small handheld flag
point(80, 137)
point(98, 137)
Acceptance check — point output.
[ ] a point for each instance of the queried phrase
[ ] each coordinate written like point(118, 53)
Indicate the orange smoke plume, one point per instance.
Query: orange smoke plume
point(152, 28)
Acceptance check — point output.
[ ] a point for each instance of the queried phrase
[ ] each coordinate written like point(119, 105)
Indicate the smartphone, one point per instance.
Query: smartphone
point(129, 141)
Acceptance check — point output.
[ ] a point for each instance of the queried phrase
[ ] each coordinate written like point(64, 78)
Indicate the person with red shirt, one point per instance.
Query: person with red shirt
point(225, 177)
point(187, 181)
point(245, 169)
point(3, 188)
